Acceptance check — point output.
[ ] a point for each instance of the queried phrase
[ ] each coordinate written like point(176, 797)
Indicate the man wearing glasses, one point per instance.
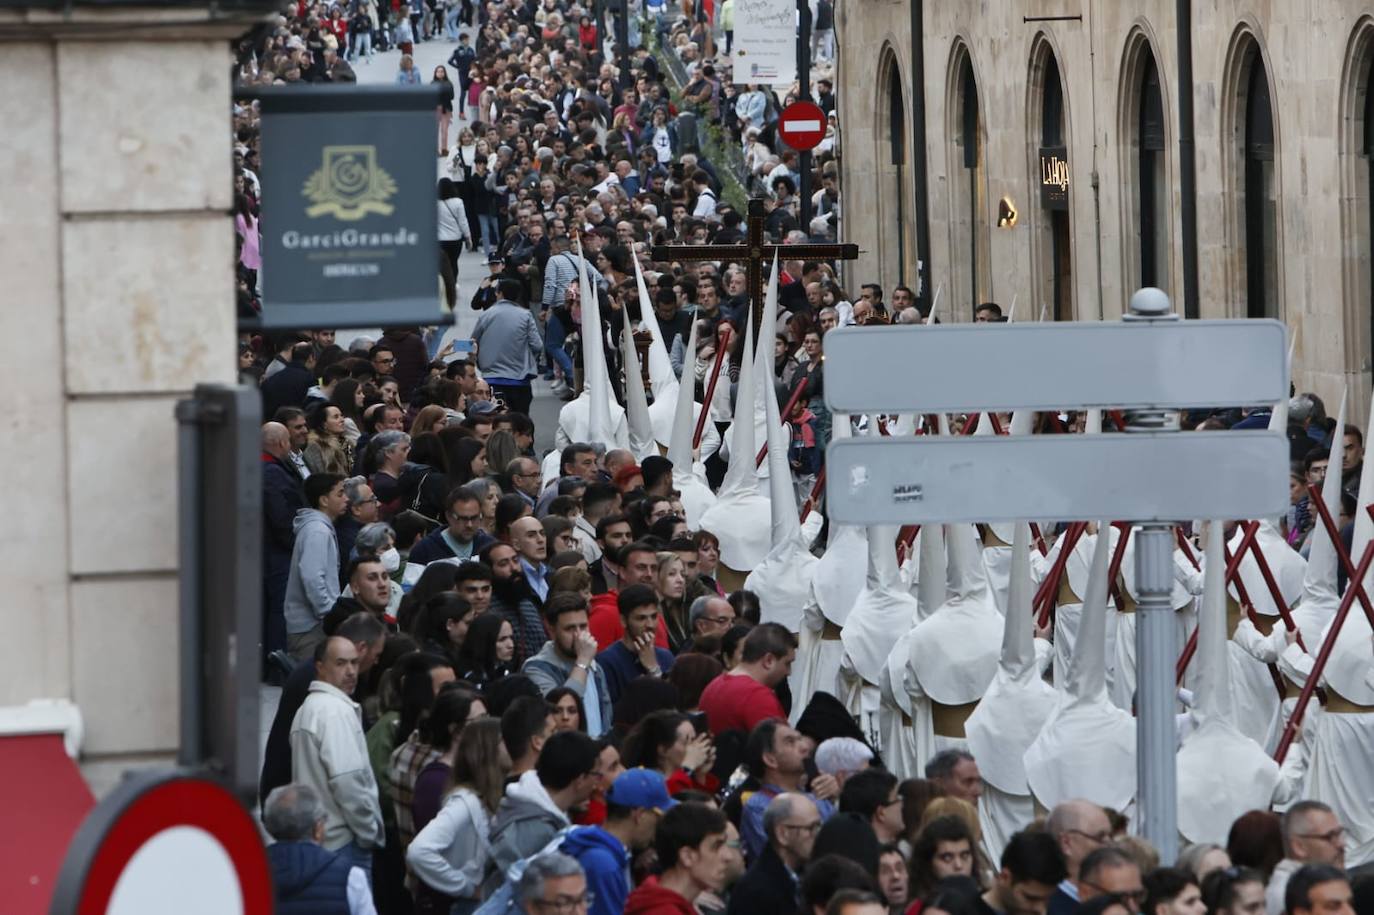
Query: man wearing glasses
point(461, 539)
point(790, 823)
point(1080, 827)
point(1311, 835)
point(552, 884)
point(1110, 871)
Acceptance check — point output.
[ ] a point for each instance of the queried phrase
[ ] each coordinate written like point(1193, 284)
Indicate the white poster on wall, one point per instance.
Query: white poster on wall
point(765, 41)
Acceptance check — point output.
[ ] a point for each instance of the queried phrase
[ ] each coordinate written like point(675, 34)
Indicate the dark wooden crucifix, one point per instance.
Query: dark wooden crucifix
point(755, 253)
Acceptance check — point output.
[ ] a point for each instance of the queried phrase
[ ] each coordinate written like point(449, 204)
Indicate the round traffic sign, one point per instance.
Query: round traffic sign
point(166, 842)
point(801, 125)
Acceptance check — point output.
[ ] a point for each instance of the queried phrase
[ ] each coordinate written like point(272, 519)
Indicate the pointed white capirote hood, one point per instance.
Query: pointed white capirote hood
point(883, 611)
point(1087, 679)
point(740, 475)
point(1018, 702)
point(661, 377)
point(680, 447)
point(1087, 748)
point(1214, 671)
point(1221, 772)
point(642, 442)
point(1347, 669)
point(783, 580)
point(1320, 597)
point(597, 379)
point(840, 573)
point(741, 518)
point(782, 495)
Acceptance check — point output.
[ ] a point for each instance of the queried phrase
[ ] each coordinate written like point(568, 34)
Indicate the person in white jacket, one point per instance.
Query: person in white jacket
point(450, 855)
point(329, 753)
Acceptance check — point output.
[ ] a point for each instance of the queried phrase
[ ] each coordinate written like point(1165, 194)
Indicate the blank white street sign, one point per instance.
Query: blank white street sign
point(956, 367)
point(1168, 476)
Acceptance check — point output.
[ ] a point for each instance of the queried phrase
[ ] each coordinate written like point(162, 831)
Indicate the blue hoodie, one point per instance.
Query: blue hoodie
point(606, 863)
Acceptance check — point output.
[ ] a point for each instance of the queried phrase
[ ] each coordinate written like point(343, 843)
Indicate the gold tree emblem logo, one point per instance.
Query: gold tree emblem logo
point(349, 185)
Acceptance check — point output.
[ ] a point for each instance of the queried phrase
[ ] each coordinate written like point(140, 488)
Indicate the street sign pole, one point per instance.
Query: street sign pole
point(1156, 768)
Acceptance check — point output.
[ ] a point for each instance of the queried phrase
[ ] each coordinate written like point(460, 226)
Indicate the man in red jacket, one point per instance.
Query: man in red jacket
point(638, 566)
point(690, 843)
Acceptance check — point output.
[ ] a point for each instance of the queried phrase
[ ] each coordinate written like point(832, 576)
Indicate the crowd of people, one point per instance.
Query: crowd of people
point(641, 672)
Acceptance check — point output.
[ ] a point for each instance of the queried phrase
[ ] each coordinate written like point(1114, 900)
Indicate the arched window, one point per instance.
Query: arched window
point(969, 241)
point(1258, 188)
point(1367, 252)
point(892, 198)
point(1054, 242)
point(1152, 188)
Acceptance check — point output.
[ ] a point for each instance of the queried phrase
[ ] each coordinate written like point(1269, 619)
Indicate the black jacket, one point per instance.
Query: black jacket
point(767, 889)
point(283, 495)
point(286, 388)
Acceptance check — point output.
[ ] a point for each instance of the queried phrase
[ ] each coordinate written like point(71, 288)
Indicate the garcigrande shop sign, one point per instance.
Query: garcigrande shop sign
point(348, 207)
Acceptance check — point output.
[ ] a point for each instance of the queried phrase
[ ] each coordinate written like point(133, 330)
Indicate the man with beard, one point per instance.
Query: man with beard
point(513, 598)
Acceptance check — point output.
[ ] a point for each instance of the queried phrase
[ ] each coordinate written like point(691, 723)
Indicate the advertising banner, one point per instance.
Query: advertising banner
point(765, 41)
point(348, 207)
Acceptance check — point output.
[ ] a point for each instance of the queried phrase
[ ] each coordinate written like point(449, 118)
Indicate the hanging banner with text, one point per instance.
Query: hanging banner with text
point(1054, 177)
point(765, 42)
point(348, 221)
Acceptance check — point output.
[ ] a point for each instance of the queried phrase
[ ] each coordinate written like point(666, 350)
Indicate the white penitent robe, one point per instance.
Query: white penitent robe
point(883, 610)
point(1012, 712)
point(837, 583)
point(1340, 774)
point(997, 562)
point(1121, 664)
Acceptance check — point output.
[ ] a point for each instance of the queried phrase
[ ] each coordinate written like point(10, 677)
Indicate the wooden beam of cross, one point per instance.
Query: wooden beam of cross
point(756, 254)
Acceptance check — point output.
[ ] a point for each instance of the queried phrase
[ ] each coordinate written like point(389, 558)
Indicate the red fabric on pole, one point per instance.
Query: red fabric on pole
point(45, 799)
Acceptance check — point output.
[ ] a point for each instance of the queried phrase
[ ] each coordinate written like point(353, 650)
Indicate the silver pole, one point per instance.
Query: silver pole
point(1156, 743)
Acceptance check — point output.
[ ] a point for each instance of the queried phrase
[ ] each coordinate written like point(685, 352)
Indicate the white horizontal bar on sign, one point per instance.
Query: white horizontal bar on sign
point(800, 126)
point(1157, 476)
point(953, 367)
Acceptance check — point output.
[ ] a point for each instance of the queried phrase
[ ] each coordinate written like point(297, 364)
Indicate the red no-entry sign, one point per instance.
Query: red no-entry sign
point(801, 125)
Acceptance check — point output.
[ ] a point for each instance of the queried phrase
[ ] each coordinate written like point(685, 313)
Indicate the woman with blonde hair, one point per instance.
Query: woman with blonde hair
point(450, 855)
point(671, 585)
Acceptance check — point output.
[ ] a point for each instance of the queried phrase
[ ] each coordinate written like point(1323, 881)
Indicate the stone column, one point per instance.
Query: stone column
point(116, 252)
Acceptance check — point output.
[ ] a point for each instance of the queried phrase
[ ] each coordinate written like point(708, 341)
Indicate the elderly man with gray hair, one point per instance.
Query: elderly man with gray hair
point(306, 877)
point(790, 823)
point(362, 509)
point(552, 882)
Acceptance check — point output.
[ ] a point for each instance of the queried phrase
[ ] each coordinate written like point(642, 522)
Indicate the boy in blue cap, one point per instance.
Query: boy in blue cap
point(634, 804)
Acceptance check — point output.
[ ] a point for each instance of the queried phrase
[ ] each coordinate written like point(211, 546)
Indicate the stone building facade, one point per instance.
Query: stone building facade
point(118, 298)
point(1052, 161)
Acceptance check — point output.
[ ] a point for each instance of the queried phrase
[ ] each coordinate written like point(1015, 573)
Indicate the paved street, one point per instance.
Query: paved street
point(381, 69)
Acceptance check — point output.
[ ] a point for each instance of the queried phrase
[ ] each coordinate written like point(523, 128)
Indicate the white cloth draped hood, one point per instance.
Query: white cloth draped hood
point(1221, 772)
point(783, 580)
point(1018, 702)
point(840, 572)
point(1087, 748)
point(954, 651)
point(741, 518)
point(883, 611)
point(689, 476)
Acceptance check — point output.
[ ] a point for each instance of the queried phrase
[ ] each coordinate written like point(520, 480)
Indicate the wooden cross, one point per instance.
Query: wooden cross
point(755, 253)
